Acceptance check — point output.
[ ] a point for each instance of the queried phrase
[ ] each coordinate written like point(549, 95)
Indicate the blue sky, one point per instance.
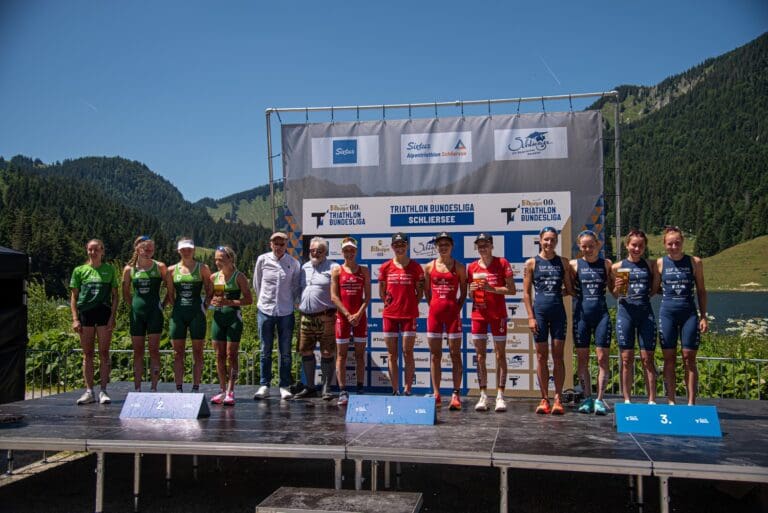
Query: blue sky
point(182, 85)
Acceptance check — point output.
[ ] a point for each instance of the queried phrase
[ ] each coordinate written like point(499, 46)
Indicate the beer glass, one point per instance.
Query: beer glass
point(623, 273)
point(479, 294)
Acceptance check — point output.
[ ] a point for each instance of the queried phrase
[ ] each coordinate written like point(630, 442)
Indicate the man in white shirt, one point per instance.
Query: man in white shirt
point(276, 281)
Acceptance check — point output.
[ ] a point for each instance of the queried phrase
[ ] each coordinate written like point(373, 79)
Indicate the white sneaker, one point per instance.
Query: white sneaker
point(104, 397)
point(501, 404)
point(262, 392)
point(482, 404)
point(285, 393)
point(651, 402)
point(86, 398)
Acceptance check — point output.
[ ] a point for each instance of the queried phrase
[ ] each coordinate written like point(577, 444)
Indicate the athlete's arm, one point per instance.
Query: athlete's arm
point(127, 285)
point(427, 284)
point(461, 271)
point(354, 319)
point(170, 291)
point(115, 302)
point(609, 277)
point(205, 274)
point(567, 278)
point(383, 286)
point(527, 299)
point(73, 308)
point(656, 286)
point(245, 290)
point(335, 297)
point(701, 293)
point(616, 281)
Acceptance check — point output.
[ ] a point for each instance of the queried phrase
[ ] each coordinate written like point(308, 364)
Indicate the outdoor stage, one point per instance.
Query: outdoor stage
point(315, 429)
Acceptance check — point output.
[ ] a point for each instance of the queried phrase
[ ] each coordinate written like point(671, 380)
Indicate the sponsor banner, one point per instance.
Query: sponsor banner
point(380, 378)
point(428, 214)
point(376, 248)
point(375, 274)
point(531, 143)
point(515, 361)
point(377, 341)
point(375, 289)
point(422, 247)
point(436, 148)
point(421, 379)
point(377, 309)
point(421, 359)
point(518, 341)
point(519, 381)
point(551, 385)
point(516, 310)
point(362, 150)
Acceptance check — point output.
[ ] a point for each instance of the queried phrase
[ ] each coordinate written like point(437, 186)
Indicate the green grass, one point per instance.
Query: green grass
point(738, 266)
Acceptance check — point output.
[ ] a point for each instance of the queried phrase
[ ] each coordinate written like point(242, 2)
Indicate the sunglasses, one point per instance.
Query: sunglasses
point(144, 238)
point(586, 233)
point(636, 233)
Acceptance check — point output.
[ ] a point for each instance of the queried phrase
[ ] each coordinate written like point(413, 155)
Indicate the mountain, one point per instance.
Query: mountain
point(694, 150)
point(248, 207)
point(50, 211)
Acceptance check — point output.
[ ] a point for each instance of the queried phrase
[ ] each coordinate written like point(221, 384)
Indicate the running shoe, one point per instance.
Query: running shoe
point(501, 404)
point(327, 394)
point(557, 408)
point(438, 399)
point(587, 405)
point(455, 403)
point(285, 393)
point(262, 392)
point(218, 398)
point(87, 398)
point(104, 397)
point(482, 403)
point(343, 398)
point(229, 399)
point(651, 402)
point(543, 408)
point(407, 393)
point(601, 408)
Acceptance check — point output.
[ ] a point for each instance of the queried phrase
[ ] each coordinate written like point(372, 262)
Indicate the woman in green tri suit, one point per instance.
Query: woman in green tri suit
point(144, 276)
point(185, 281)
point(231, 290)
point(93, 302)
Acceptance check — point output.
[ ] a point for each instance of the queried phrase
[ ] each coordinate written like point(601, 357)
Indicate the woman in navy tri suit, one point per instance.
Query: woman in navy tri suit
point(547, 273)
point(591, 276)
point(634, 315)
point(681, 275)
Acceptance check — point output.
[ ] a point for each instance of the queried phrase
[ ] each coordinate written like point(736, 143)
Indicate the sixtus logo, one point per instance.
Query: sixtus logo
point(345, 151)
point(534, 141)
point(423, 247)
point(510, 211)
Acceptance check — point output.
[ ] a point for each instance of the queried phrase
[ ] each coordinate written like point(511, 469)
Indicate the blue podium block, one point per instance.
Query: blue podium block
point(678, 420)
point(390, 409)
point(156, 405)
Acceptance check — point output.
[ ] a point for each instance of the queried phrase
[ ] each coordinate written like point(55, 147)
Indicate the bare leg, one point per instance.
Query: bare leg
point(435, 362)
point(457, 368)
point(178, 360)
point(105, 364)
point(542, 367)
point(501, 365)
point(154, 360)
point(221, 363)
point(649, 365)
point(627, 373)
point(341, 365)
point(197, 362)
point(602, 373)
point(582, 363)
point(138, 361)
point(691, 374)
point(482, 368)
point(410, 363)
point(670, 361)
point(558, 350)
point(360, 361)
point(87, 339)
point(234, 368)
point(392, 363)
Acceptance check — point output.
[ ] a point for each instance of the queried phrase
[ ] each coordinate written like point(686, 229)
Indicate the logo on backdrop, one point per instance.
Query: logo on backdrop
point(423, 247)
point(318, 218)
point(510, 211)
point(436, 148)
point(345, 151)
point(531, 143)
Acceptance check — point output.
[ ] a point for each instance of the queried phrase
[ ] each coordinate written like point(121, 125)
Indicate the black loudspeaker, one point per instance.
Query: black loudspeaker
point(14, 270)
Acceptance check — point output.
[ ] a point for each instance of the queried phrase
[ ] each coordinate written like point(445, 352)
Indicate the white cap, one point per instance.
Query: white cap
point(278, 235)
point(185, 243)
point(349, 243)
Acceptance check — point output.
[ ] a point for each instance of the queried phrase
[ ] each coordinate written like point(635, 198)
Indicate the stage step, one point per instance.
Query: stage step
point(288, 499)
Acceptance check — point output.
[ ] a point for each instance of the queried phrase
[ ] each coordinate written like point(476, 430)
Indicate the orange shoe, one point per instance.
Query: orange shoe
point(557, 408)
point(455, 403)
point(543, 407)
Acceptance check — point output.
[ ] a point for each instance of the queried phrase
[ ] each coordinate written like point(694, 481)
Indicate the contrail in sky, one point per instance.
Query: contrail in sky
point(90, 105)
point(550, 70)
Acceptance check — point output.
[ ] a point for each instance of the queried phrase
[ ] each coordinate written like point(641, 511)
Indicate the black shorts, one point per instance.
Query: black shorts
point(98, 316)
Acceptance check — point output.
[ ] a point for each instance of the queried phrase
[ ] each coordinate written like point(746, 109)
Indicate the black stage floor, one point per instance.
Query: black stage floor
point(316, 429)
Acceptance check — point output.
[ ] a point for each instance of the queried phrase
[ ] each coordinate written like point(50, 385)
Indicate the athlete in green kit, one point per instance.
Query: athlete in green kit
point(93, 302)
point(231, 290)
point(186, 281)
point(143, 276)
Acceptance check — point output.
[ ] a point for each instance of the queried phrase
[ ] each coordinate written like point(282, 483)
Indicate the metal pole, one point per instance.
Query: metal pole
point(640, 499)
point(617, 177)
point(503, 489)
point(664, 495)
point(374, 475)
point(194, 466)
point(10, 462)
point(271, 173)
point(99, 482)
point(387, 480)
point(358, 474)
point(136, 480)
point(337, 474)
point(168, 475)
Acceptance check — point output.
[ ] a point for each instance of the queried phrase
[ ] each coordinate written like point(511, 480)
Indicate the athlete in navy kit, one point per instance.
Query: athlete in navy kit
point(634, 315)
point(680, 276)
point(546, 273)
point(591, 275)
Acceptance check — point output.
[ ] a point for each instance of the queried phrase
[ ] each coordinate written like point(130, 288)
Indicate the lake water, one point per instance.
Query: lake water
point(726, 305)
